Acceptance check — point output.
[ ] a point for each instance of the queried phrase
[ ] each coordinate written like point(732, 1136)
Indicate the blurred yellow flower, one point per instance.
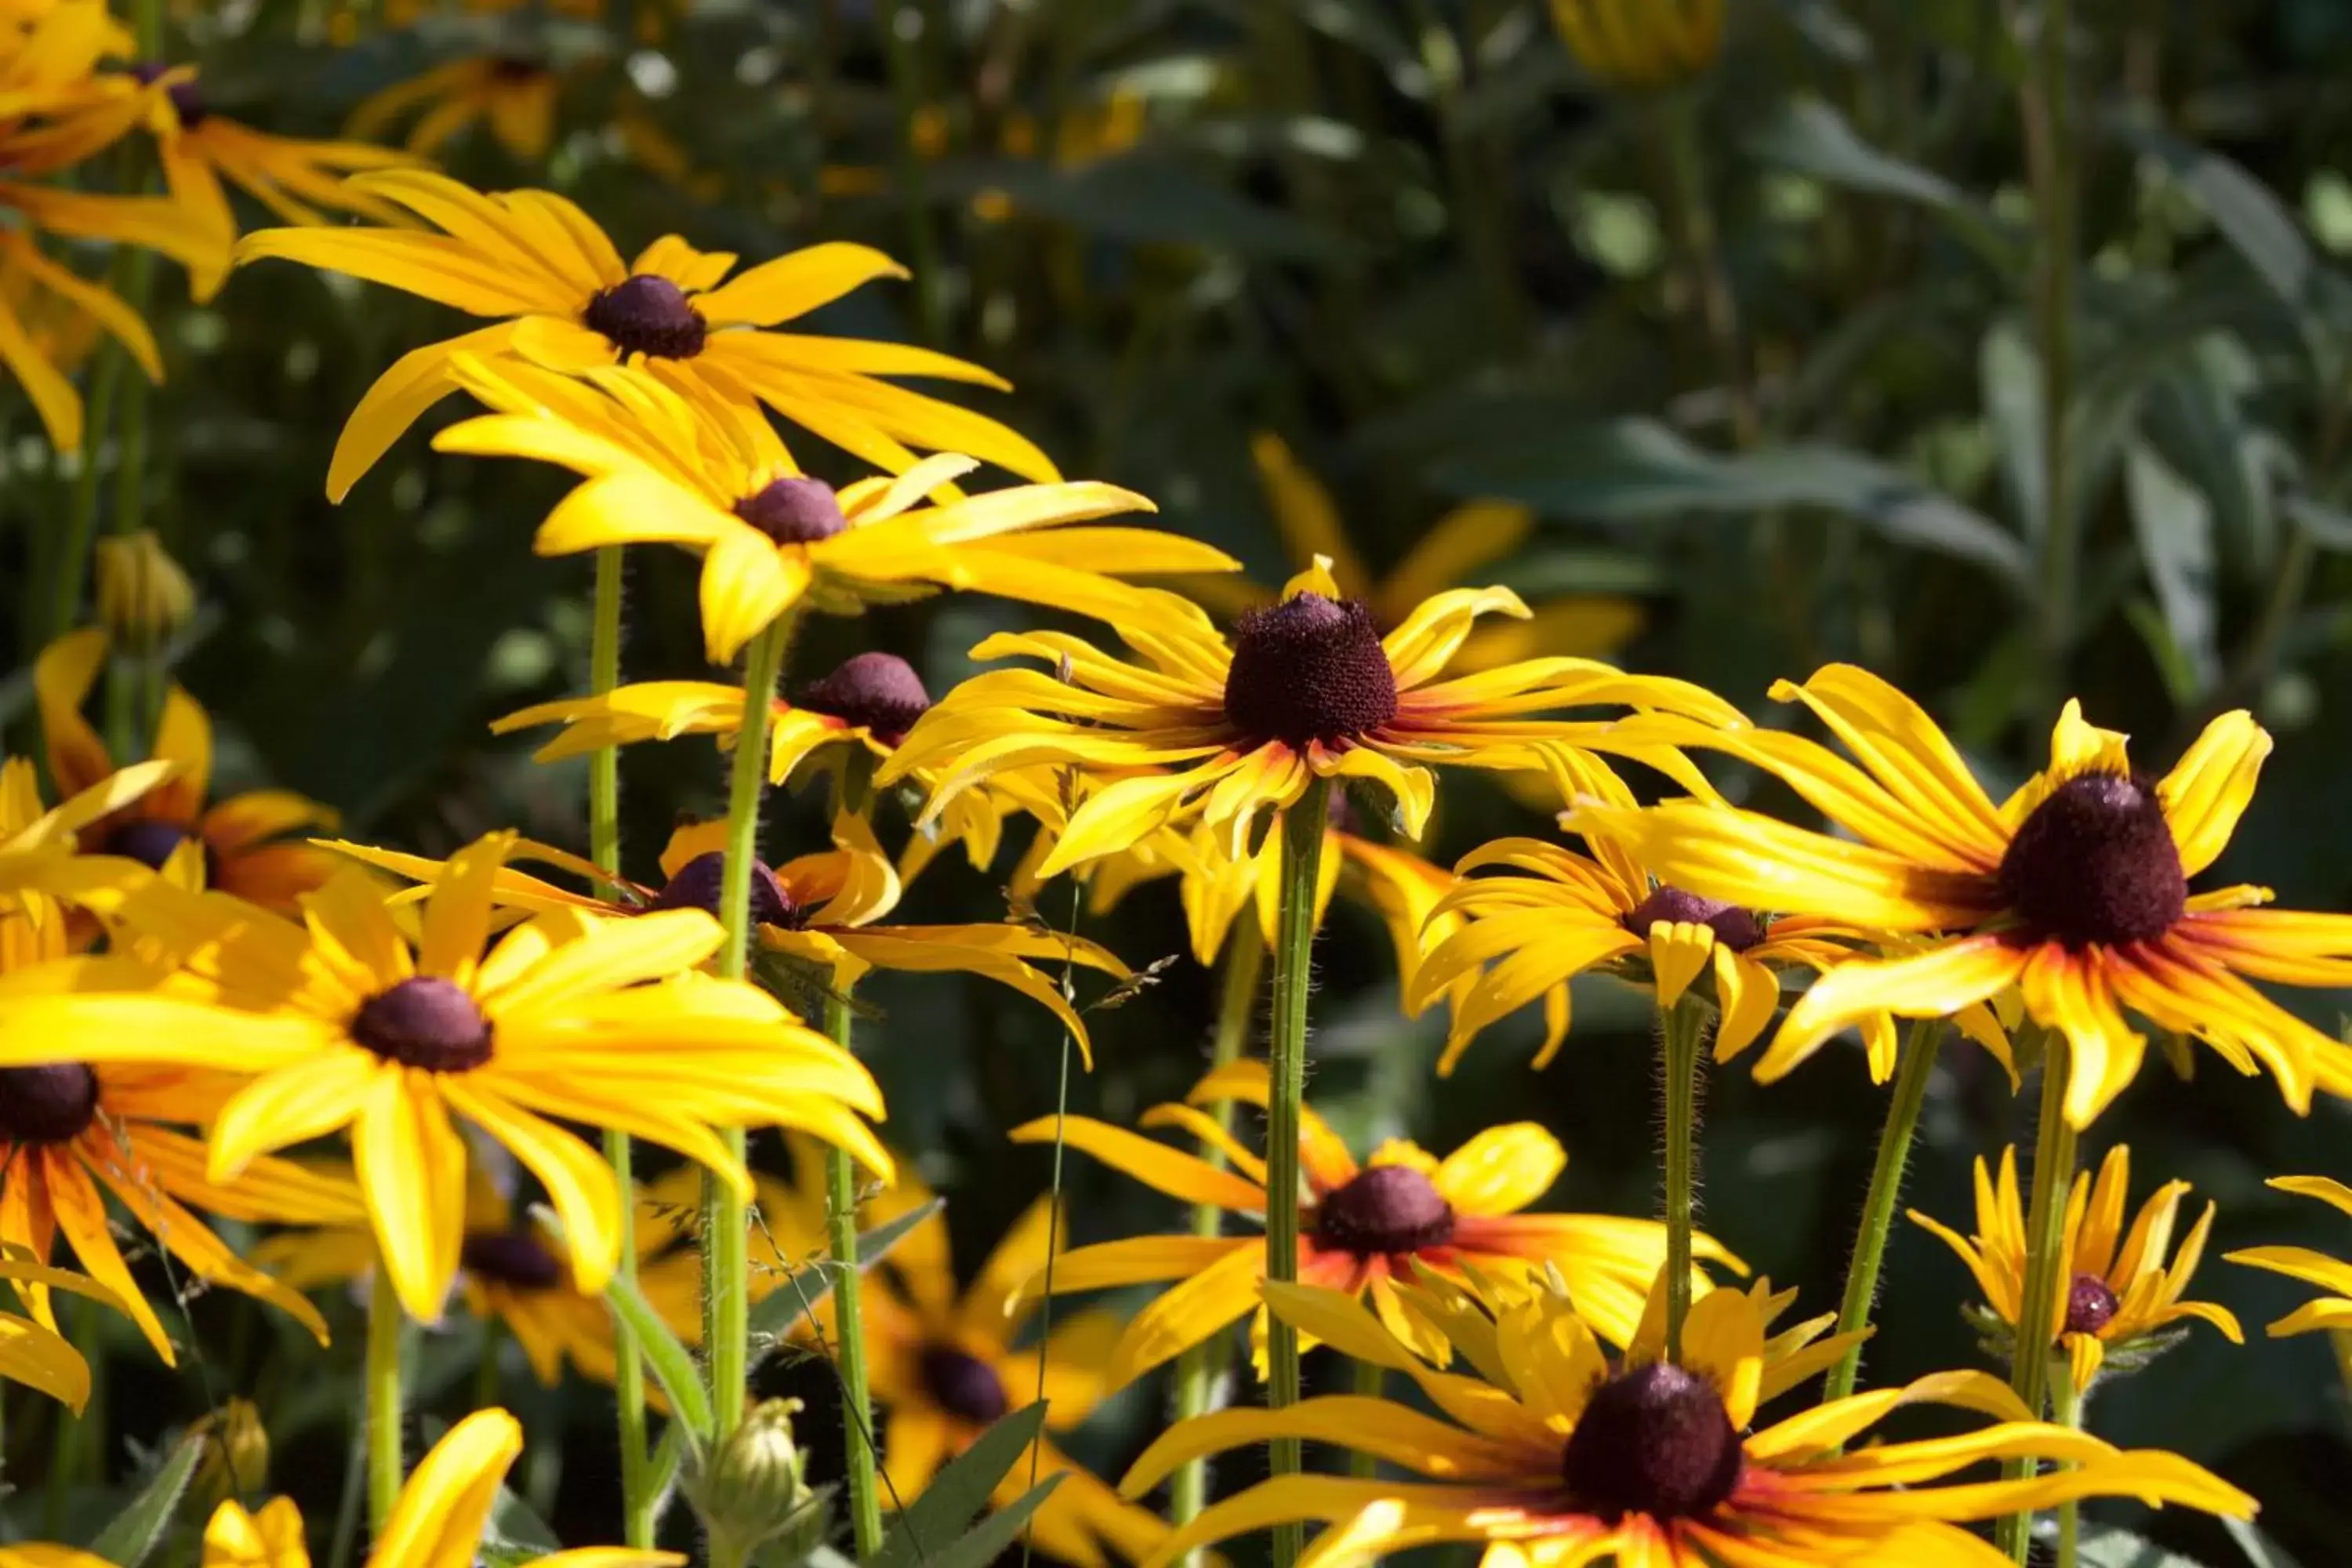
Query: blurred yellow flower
point(2332, 1310)
point(1641, 44)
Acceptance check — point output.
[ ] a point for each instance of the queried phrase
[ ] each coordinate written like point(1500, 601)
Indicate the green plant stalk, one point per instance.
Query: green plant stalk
point(1370, 1382)
point(72, 561)
point(726, 1244)
point(2045, 1238)
point(849, 1330)
point(1682, 1027)
point(2049, 113)
point(914, 185)
point(1912, 1074)
point(2066, 1410)
point(383, 1390)
point(1053, 1212)
point(1703, 254)
point(1202, 1368)
point(1304, 828)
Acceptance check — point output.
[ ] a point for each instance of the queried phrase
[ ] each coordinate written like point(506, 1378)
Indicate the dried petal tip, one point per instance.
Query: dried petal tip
point(515, 1258)
point(1386, 1211)
point(877, 692)
point(794, 510)
point(47, 1104)
point(1734, 927)
point(699, 883)
point(1655, 1441)
point(2095, 864)
point(2090, 1305)
point(647, 314)
point(424, 1022)
point(963, 1386)
point(1309, 668)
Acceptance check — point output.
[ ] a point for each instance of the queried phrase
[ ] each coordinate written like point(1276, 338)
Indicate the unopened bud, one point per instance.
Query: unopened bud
point(753, 1488)
point(143, 598)
point(236, 1454)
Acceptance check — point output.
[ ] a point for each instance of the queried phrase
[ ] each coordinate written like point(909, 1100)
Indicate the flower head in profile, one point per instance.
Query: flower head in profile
point(1556, 1453)
point(239, 844)
point(2117, 1295)
point(1367, 1228)
point(2332, 1311)
point(562, 297)
point(513, 96)
point(2074, 889)
point(1218, 732)
point(439, 1522)
point(1641, 44)
point(369, 1017)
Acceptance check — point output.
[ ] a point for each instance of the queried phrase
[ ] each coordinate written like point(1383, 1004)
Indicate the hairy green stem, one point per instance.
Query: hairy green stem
point(849, 1332)
point(1912, 1074)
point(1304, 828)
point(383, 1389)
point(2046, 1239)
point(1682, 1027)
point(2066, 1410)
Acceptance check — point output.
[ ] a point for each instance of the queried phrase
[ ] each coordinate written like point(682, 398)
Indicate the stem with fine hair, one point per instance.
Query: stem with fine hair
point(2066, 1410)
point(849, 1328)
point(1911, 1077)
point(2048, 112)
point(1682, 1027)
point(2045, 1238)
point(726, 1255)
point(1304, 828)
point(383, 1390)
point(1202, 1368)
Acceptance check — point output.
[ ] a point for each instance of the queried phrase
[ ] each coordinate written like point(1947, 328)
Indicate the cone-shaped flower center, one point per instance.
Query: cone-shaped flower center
point(1387, 1209)
point(963, 1386)
point(697, 884)
point(150, 841)
point(879, 692)
point(794, 510)
point(511, 1258)
point(1309, 668)
point(187, 102)
point(47, 1104)
point(2096, 863)
point(424, 1022)
point(1734, 927)
point(647, 314)
point(1654, 1441)
point(2090, 1305)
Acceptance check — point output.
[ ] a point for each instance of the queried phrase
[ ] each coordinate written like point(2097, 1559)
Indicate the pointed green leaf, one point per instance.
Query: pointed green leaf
point(140, 1526)
point(982, 1544)
point(928, 1524)
point(671, 1362)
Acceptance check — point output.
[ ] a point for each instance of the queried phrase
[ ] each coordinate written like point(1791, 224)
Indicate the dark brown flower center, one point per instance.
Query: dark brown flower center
point(152, 842)
point(2095, 864)
point(516, 1258)
point(514, 69)
point(2090, 1305)
point(794, 510)
point(963, 1386)
point(1386, 1210)
point(647, 314)
point(1309, 668)
point(701, 880)
point(1654, 1441)
point(1734, 927)
point(424, 1022)
point(878, 691)
point(187, 102)
point(47, 1104)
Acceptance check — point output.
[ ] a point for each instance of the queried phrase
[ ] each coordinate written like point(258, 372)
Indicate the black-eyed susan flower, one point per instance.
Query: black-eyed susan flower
point(438, 1522)
point(36, 838)
point(1641, 44)
point(1218, 732)
point(675, 464)
point(514, 96)
point(1367, 1228)
point(349, 1020)
point(563, 298)
point(1555, 1454)
point(239, 844)
point(2074, 889)
point(1459, 545)
point(2332, 1310)
point(49, 315)
point(2117, 1294)
point(33, 1353)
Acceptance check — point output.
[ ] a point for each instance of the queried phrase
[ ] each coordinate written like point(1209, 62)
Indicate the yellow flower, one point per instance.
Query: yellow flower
point(349, 1021)
point(34, 1353)
point(236, 845)
point(2332, 1310)
point(515, 97)
point(443, 1509)
point(34, 838)
point(674, 464)
point(1553, 1454)
point(565, 298)
point(1462, 542)
point(1367, 1230)
point(1642, 42)
point(1218, 731)
point(48, 315)
point(2113, 1289)
point(2074, 889)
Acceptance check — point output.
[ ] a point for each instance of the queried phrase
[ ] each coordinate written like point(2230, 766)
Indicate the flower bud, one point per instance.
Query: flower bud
point(143, 598)
point(753, 1488)
point(1635, 45)
point(236, 1454)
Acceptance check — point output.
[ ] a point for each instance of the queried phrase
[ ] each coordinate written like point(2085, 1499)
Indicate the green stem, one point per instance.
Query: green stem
point(2046, 1239)
point(486, 1364)
point(849, 1332)
point(2066, 1410)
point(1693, 206)
point(1370, 1382)
point(914, 195)
point(1304, 828)
point(384, 1468)
point(72, 560)
point(1682, 1028)
point(2050, 139)
point(725, 1257)
point(1200, 1370)
point(1911, 1078)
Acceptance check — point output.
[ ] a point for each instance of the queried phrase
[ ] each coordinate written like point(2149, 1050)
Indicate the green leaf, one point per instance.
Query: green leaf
point(1811, 137)
point(988, 1540)
point(2329, 528)
point(670, 1361)
point(2257, 224)
point(2122, 1549)
point(2260, 1549)
point(1146, 198)
point(773, 1315)
point(2175, 526)
point(956, 1495)
point(515, 1533)
point(137, 1530)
